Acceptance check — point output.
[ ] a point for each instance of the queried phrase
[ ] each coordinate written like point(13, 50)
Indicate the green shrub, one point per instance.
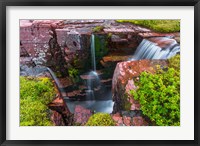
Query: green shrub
point(35, 94)
point(159, 94)
point(157, 25)
point(100, 119)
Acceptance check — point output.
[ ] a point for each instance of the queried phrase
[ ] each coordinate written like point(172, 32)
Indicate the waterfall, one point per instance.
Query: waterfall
point(150, 50)
point(53, 76)
point(58, 86)
point(93, 52)
point(93, 80)
point(55, 79)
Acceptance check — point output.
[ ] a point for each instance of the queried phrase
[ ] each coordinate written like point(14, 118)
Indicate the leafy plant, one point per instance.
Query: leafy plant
point(157, 25)
point(100, 119)
point(159, 94)
point(35, 94)
point(73, 74)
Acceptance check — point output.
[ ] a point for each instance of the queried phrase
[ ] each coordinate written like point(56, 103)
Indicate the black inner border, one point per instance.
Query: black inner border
point(5, 3)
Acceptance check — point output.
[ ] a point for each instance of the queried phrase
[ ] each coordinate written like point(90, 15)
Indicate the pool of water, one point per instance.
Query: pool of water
point(105, 106)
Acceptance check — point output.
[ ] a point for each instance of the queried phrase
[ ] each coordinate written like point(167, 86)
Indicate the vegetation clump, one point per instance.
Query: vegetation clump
point(98, 28)
point(157, 25)
point(73, 74)
point(159, 94)
point(35, 95)
point(101, 48)
point(100, 119)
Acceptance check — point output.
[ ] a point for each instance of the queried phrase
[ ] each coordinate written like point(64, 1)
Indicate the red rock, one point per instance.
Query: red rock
point(122, 81)
point(57, 119)
point(81, 115)
point(120, 122)
point(58, 100)
point(135, 106)
point(156, 34)
point(162, 42)
point(127, 121)
point(116, 117)
point(139, 121)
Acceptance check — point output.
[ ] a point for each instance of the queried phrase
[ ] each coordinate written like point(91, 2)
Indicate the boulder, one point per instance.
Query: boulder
point(123, 81)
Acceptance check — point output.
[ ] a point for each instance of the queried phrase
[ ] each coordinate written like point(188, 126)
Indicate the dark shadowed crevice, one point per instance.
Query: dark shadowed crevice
point(57, 58)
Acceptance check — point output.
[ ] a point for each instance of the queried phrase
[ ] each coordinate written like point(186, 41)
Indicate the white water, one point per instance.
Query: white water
point(54, 77)
point(93, 52)
point(150, 50)
point(94, 105)
point(93, 81)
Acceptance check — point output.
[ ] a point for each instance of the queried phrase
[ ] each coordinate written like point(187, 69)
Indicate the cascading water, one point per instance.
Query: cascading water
point(150, 50)
point(93, 80)
point(54, 77)
point(93, 52)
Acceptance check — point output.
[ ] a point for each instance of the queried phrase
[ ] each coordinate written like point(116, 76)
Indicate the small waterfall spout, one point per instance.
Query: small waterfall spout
point(93, 52)
point(57, 85)
point(93, 81)
point(54, 77)
point(150, 50)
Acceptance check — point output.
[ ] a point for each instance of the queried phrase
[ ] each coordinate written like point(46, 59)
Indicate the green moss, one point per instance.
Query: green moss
point(174, 62)
point(157, 25)
point(100, 47)
point(98, 28)
point(109, 35)
point(35, 94)
point(74, 74)
point(100, 119)
point(159, 94)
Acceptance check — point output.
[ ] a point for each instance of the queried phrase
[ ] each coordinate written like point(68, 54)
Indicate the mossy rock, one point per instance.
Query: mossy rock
point(100, 119)
point(35, 95)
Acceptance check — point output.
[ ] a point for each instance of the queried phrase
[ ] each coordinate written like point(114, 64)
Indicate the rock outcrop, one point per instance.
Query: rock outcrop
point(123, 81)
point(58, 43)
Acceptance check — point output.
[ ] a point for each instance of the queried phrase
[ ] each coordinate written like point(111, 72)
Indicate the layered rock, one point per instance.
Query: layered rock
point(60, 114)
point(123, 81)
point(59, 43)
point(52, 43)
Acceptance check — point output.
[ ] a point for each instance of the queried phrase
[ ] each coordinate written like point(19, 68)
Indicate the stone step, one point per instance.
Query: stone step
point(113, 59)
point(106, 81)
point(89, 75)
